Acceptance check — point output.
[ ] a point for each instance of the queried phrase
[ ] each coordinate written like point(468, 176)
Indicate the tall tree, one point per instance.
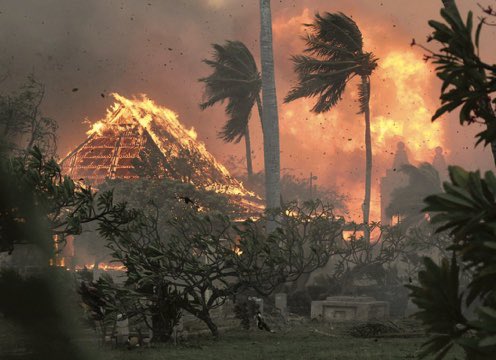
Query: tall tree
point(336, 55)
point(468, 81)
point(22, 124)
point(270, 116)
point(235, 78)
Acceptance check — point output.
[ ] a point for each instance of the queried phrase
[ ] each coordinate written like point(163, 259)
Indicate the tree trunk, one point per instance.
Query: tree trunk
point(260, 112)
point(368, 160)
point(269, 114)
point(249, 165)
point(205, 317)
point(161, 328)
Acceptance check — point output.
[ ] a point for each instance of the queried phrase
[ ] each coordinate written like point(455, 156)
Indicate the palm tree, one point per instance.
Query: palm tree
point(408, 202)
point(235, 79)
point(448, 3)
point(270, 116)
point(335, 46)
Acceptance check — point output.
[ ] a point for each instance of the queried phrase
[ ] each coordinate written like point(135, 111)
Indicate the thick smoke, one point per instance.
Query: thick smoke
point(155, 47)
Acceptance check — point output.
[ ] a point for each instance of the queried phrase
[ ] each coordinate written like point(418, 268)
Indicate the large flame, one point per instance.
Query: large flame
point(331, 145)
point(410, 119)
point(172, 139)
point(102, 266)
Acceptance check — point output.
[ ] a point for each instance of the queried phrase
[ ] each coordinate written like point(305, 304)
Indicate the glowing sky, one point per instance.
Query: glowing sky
point(155, 47)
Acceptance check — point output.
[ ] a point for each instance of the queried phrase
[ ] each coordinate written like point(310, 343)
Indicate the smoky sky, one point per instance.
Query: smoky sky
point(156, 47)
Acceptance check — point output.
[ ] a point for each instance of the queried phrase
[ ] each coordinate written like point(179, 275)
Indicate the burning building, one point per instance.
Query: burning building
point(139, 138)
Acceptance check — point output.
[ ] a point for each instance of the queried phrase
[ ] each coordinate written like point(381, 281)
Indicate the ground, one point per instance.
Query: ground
point(308, 340)
point(297, 343)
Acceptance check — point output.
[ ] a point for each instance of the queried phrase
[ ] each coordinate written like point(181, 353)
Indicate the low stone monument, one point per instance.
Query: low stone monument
point(121, 331)
point(281, 303)
point(346, 308)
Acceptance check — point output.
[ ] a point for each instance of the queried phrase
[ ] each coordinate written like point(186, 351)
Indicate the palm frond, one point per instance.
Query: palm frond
point(328, 92)
point(336, 47)
point(309, 65)
point(318, 47)
point(236, 80)
point(239, 111)
point(339, 30)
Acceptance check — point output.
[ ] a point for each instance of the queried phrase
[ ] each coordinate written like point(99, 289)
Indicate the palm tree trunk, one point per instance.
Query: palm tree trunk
point(270, 115)
point(260, 112)
point(249, 165)
point(368, 160)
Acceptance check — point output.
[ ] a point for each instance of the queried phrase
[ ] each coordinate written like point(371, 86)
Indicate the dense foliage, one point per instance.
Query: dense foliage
point(236, 80)
point(22, 123)
point(456, 298)
point(468, 81)
point(293, 187)
point(205, 259)
point(36, 195)
point(467, 210)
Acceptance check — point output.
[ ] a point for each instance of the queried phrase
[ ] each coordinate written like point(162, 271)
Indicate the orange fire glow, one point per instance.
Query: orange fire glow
point(160, 121)
point(332, 144)
point(102, 266)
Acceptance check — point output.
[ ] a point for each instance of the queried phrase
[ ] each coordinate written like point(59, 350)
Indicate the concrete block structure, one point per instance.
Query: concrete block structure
point(348, 308)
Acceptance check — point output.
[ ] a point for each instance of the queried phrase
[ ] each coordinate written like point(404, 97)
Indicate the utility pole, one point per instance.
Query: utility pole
point(312, 177)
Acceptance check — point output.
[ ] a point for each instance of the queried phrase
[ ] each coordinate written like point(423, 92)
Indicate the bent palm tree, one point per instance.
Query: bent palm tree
point(336, 47)
point(236, 79)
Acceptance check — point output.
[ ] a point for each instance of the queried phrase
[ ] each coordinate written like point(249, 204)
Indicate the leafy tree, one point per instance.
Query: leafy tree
point(336, 51)
point(270, 117)
point(307, 236)
point(172, 198)
point(34, 192)
point(468, 81)
point(169, 196)
point(467, 210)
point(294, 188)
point(100, 302)
point(206, 259)
point(37, 203)
point(359, 258)
point(235, 79)
point(22, 123)
point(378, 268)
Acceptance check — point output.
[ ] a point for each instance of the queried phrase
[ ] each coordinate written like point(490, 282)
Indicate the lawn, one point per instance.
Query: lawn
point(298, 343)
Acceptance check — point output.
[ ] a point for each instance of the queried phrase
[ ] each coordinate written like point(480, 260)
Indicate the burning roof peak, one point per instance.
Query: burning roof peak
point(139, 110)
point(137, 127)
